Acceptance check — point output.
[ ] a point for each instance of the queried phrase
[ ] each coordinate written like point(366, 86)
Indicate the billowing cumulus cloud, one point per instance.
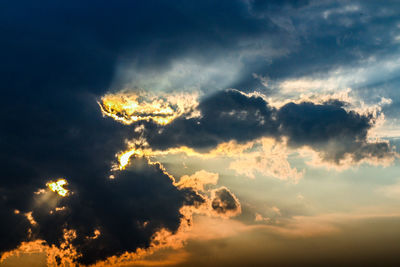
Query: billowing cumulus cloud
point(102, 215)
point(225, 203)
point(225, 116)
point(137, 203)
point(336, 133)
point(198, 180)
point(332, 130)
point(270, 160)
point(217, 202)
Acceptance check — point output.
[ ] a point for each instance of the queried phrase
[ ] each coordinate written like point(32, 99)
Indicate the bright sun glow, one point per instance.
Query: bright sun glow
point(123, 158)
point(128, 108)
point(57, 187)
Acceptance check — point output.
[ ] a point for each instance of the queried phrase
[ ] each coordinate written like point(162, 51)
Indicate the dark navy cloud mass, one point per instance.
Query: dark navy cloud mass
point(59, 57)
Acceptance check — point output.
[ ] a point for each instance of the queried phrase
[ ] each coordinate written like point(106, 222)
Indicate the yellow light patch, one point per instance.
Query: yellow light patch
point(128, 108)
point(57, 187)
point(124, 157)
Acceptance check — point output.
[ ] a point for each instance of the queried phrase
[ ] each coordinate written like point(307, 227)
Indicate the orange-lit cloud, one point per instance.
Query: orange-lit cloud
point(198, 180)
point(270, 160)
point(352, 149)
point(218, 201)
point(62, 256)
point(258, 156)
point(264, 156)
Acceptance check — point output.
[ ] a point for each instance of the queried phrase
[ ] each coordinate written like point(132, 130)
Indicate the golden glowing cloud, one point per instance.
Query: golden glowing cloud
point(271, 159)
point(57, 187)
point(198, 180)
point(66, 252)
point(128, 108)
point(140, 149)
point(264, 156)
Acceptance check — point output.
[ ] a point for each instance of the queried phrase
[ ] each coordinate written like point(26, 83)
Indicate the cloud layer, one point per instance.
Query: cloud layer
point(58, 59)
point(328, 128)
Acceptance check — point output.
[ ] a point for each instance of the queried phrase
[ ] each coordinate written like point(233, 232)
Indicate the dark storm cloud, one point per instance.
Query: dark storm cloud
point(57, 59)
point(14, 229)
point(226, 115)
point(231, 115)
point(332, 130)
point(224, 202)
point(127, 211)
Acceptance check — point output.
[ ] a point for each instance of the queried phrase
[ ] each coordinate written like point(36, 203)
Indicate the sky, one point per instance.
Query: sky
point(199, 133)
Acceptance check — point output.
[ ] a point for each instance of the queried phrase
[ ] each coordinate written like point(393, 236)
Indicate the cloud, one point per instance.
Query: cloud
point(336, 133)
point(225, 115)
point(271, 160)
point(15, 221)
point(55, 68)
point(224, 203)
point(129, 108)
point(182, 74)
point(198, 180)
point(246, 245)
point(259, 218)
point(331, 130)
point(218, 202)
point(138, 202)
